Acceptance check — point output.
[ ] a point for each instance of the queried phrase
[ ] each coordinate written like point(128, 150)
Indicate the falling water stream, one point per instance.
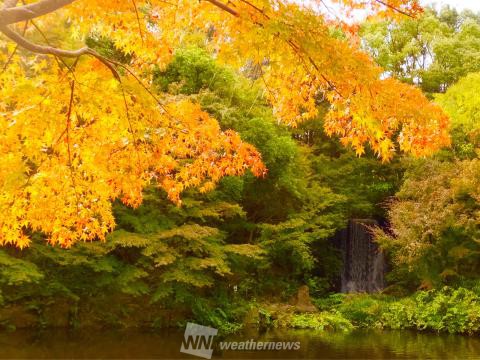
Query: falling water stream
point(364, 263)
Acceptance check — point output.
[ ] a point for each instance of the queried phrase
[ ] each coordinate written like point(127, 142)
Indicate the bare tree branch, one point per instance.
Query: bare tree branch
point(40, 49)
point(49, 50)
point(224, 7)
point(384, 3)
point(11, 14)
point(21, 41)
point(9, 4)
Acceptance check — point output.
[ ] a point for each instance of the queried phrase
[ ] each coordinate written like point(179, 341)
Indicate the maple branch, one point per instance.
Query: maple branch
point(11, 14)
point(256, 8)
point(295, 48)
point(69, 122)
point(138, 20)
point(40, 49)
point(224, 7)
point(69, 152)
point(60, 53)
point(9, 4)
point(140, 82)
point(394, 8)
point(49, 50)
point(10, 58)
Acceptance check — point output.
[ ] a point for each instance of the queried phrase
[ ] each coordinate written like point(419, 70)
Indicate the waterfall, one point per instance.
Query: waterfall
point(363, 269)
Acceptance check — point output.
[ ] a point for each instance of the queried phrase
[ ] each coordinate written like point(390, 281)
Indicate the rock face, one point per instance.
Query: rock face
point(302, 301)
point(364, 264)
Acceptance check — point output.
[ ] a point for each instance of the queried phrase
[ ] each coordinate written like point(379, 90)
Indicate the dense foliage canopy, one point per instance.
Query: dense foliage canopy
point(83, 128)
point(433, 235)
point(217, 148)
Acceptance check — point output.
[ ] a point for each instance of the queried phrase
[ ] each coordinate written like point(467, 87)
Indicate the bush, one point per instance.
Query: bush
point(363, 310)
point(456, 311)
point(320, 321)
point(398, 314)
point(324, 320)
point(221, 319)
point(451, 310)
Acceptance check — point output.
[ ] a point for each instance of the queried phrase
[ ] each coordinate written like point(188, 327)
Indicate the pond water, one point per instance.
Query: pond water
point(165, 344)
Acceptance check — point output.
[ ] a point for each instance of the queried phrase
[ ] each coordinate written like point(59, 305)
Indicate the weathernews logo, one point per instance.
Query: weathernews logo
point(198, 340)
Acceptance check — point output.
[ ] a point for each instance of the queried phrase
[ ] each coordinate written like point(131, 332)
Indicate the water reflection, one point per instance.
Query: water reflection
point(107, 344)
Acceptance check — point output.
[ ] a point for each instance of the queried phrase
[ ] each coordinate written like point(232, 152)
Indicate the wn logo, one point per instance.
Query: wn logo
point(198, 340)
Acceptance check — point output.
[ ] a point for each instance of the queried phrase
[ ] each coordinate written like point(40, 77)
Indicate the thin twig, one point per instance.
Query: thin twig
point(138, 20)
